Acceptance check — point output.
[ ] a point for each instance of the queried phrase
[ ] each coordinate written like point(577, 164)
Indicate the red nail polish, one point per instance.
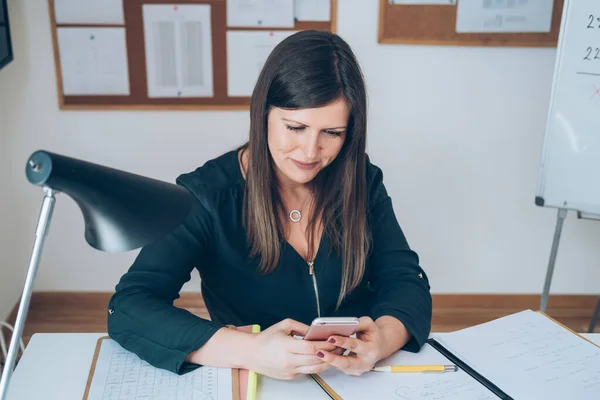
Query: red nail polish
point(332, 340)
point(320, 354)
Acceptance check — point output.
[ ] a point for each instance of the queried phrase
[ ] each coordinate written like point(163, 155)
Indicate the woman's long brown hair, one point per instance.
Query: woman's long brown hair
point(306, 70)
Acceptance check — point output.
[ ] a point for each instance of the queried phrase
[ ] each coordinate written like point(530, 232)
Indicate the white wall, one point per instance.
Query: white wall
point(5, 211)
point(7, 208)
point(8, 274)
point(458, 132)
point(13, 242)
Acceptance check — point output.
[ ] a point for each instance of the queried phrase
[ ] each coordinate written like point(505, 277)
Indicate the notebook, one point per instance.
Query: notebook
point(526, 355)
point(423, 386)
point(118, 374)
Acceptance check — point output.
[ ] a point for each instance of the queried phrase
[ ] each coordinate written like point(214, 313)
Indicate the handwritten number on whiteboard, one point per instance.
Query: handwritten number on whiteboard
point(593, 19)
point(590, 51)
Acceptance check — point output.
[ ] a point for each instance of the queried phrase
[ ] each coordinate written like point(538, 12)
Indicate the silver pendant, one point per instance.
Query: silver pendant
point(297, 213)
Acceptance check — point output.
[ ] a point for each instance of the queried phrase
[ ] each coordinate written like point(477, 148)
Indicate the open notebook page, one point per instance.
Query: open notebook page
point(529, 356)
point(120, 374)
point(300, 388)
point(408, 386)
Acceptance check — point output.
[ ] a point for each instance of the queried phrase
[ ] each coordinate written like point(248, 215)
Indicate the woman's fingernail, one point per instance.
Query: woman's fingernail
point(332, 340)
point(320, 354)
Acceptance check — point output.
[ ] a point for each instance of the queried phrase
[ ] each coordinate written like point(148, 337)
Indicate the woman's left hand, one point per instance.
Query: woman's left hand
point(365, 349)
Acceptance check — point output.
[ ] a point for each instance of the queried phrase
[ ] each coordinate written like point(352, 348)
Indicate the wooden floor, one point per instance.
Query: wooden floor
point(87, 312)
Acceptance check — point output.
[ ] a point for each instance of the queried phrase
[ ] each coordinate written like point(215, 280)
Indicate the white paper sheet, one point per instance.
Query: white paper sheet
point(89, 11)
point(504, 16)
point(529, 356)
point(261, 13)
point(313, 10)
point(120, 374)
point(302, 387)
point(178, 50)
point(426, 2)
point(408, 386)
point(247, 52)
point(93, 61)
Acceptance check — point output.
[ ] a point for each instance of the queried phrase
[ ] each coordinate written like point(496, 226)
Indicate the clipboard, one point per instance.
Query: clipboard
point(460, 363)
point(326, 387)
point(235, 375)
point(480, 378)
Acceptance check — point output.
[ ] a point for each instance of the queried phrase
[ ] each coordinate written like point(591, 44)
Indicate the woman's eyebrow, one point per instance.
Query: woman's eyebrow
point(295, 122)
point(300, 123)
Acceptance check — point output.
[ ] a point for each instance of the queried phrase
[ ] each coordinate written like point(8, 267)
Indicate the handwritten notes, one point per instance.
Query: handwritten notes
point(450, 388)
point(120, 374)
point(529, 356)
point(408, 386)
point(504, 16)
point(582, 47)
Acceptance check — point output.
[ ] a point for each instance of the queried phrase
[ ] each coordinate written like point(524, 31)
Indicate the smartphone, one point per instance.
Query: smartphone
point(323, 328)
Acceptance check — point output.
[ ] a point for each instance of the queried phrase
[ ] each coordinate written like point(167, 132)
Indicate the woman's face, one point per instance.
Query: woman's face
point(302, 142)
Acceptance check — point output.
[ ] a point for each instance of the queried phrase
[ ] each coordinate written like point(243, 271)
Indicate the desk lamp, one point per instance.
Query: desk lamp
point(122, 211)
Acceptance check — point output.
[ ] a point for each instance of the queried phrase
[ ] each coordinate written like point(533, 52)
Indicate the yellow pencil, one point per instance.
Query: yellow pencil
point(417, 368)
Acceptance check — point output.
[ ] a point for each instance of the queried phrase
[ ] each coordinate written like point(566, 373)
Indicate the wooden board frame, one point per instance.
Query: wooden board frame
point(436, 25)
point(134, 30)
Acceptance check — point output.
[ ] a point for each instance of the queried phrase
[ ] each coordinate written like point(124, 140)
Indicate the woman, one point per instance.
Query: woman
point(293, 225)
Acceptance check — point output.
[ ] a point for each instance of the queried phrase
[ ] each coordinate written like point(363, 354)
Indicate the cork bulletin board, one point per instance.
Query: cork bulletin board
point(134, 55)
point(436, 25)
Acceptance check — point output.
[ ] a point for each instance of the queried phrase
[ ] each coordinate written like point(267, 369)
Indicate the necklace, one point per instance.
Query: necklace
point(295, 215)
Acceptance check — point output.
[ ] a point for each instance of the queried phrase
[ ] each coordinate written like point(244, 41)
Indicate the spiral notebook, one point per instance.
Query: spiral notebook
point(526, 355)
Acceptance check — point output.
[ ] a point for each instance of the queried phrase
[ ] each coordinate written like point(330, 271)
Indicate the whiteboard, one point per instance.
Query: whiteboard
point(569, 175)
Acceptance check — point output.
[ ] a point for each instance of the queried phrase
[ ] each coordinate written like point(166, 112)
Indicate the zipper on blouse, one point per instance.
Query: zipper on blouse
point(311, 271)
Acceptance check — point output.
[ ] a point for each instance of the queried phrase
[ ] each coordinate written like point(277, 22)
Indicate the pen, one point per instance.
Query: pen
point(417, 368)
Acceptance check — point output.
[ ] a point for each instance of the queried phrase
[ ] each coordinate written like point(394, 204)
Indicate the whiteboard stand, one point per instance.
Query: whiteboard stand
point(560, 219)
point(592, 327)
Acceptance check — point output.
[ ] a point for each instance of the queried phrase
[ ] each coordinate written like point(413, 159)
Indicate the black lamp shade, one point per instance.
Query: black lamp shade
point(122, 211)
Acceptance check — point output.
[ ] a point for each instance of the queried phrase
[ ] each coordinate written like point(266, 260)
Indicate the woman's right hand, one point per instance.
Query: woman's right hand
point(277, 354)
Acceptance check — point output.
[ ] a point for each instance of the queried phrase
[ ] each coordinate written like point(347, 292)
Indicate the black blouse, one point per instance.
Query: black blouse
point(143, 319)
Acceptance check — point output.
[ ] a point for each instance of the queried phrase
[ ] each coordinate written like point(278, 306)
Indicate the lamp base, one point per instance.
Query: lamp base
point(40, 235)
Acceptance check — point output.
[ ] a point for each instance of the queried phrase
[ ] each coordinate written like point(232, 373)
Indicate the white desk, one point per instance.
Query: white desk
point(55, 366)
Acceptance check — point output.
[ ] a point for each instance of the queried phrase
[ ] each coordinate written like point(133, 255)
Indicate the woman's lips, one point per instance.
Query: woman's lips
point(305, 166)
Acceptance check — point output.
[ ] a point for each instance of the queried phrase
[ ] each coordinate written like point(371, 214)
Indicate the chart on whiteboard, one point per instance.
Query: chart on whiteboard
point(581, 59)
point(571, 162)
point(591, 60)
point(577, 97)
